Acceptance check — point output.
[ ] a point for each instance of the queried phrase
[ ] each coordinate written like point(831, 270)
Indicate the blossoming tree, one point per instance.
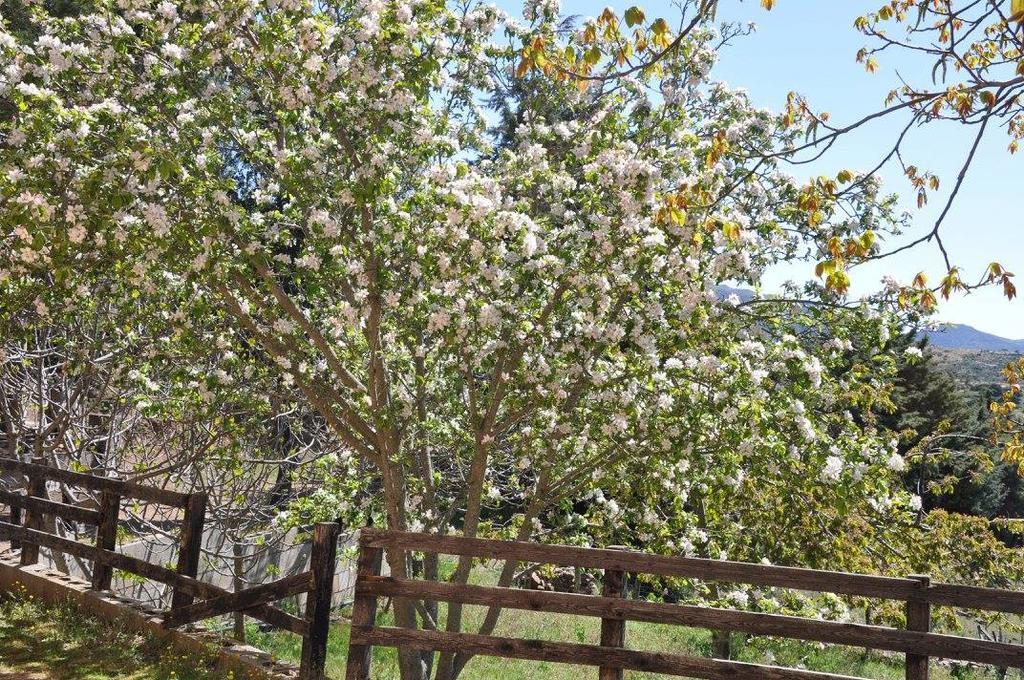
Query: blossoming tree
point(492, 324)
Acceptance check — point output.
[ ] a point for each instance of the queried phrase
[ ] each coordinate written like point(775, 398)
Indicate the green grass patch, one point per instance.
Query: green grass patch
point(45, 642)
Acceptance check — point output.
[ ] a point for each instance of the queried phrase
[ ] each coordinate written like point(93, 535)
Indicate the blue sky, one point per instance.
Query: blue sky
point(810, 46)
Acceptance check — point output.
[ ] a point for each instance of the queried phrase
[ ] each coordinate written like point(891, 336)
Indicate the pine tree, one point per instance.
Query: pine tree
point(944, 430)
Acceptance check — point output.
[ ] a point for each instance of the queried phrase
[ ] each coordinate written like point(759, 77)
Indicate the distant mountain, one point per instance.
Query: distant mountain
point(962, 336)
point(744, 294)
point(949, 336)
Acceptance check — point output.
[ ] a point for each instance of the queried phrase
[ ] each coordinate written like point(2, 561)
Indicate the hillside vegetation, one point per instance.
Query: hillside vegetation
point(974, 367)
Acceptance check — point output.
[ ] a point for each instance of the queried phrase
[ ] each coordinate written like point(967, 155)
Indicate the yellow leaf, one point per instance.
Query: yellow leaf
point(634, 16)
point(825, 268)
point(951, 283)
point(524, 67)
point(838, 281)
point(768, 4)
point(928, 300)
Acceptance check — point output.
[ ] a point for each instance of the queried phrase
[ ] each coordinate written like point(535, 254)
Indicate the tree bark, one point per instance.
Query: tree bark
point(508, 571)
point(721, 644)
point(238, 583)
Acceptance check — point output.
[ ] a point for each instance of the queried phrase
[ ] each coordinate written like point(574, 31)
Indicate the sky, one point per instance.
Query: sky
point(809, 46)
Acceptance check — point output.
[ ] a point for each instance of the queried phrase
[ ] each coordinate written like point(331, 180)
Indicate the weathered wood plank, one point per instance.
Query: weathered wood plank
point(96, 483)
point(974, 597)
point(313, 662)
point(47, 507)
point(240, 601)
point(364, 611)
point(33, 519)
point(857, 635)
point(190, 544)
point(613, 629)
point(627, 561)
point(588, 655)
point(106, 538)
point(919, 618)
point(194, 587)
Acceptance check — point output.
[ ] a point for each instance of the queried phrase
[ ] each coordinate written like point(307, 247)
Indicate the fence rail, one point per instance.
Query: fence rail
point(917, 592)
point(213, 601)
point(84, 480)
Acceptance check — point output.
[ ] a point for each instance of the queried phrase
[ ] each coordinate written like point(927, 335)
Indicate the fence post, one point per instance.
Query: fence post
point(191, 544)
point(33, 518)
point(106, 538)
point(318, 601)
point(613, 631)
point(364, 612)
point(919, 618)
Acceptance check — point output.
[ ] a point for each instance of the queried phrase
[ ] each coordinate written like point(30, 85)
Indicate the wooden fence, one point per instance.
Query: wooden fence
point(194, 600)
point(212, 601)
point(612, 658)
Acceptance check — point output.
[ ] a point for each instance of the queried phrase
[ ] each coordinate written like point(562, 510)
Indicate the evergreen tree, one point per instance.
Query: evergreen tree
point(944, 430)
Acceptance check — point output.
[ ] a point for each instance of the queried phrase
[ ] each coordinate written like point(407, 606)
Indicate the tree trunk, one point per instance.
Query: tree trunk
point(410, 662)
point(238, 583)
point(508, 571)
point(721, 644)
point(430, 573)
point(283, 445)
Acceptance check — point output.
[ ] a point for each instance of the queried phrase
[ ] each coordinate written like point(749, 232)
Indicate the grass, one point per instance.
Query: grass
point(43, 642)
